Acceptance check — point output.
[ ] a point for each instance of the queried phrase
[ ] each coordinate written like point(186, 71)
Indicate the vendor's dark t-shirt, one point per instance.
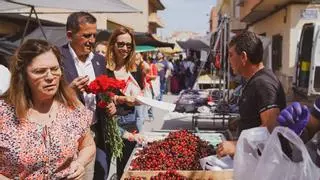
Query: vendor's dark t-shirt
point(263, 91)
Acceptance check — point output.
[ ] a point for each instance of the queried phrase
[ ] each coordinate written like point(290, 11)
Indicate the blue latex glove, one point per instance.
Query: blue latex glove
point(294, 117)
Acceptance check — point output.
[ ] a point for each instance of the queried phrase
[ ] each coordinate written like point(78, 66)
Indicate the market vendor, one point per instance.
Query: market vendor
point(262, 96)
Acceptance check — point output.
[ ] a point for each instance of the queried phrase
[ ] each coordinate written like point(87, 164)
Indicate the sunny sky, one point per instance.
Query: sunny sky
point(185, 15)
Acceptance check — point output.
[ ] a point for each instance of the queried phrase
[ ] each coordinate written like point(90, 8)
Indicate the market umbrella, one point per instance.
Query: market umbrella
point(168, 51)
point(194, 44)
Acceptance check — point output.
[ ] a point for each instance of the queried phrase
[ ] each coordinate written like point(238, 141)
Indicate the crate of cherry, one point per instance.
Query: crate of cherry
point(175, 153)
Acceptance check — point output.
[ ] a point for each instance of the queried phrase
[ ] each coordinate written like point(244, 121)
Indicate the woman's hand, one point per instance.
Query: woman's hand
point(128, 100)
point(77, 170)
point(111, 108)
point(2, 177)
point(134, 137)
point(138, 138)
point(131, 101)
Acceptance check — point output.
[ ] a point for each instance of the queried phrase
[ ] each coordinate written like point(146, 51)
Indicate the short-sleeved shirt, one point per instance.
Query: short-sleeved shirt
point(32, 151)
point(263, 91)
point(162, 68)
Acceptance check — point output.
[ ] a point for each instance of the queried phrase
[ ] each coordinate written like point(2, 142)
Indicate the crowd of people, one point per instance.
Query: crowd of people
point(52, 127)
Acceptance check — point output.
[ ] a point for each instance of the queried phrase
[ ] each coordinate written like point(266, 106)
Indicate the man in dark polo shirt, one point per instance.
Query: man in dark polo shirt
point(262, 96)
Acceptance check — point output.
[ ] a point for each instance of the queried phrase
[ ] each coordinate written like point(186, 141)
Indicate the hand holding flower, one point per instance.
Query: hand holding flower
point(103, 87)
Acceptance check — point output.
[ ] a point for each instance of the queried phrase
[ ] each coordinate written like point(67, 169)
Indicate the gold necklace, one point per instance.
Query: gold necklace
point(41, 114)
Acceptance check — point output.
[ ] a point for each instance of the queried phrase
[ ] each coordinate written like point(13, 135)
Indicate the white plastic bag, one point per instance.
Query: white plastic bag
point(156, 86)
point(248, 151)
point(275, 164)
point(213, 163)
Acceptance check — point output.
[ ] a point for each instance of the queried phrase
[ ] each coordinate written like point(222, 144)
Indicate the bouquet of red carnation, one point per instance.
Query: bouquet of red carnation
point(104, 86)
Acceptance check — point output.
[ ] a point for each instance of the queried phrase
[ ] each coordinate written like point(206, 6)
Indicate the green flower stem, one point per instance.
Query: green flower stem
point(112, 134)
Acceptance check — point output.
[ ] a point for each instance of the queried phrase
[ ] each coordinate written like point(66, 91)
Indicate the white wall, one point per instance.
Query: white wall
point(290, 31)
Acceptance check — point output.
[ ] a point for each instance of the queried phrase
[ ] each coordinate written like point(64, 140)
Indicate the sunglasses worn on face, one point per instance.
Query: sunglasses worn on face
point(89, 35)
point(44, 72)
point(122, 44)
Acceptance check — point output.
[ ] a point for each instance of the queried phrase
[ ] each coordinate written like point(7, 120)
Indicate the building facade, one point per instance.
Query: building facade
point(278, 20)
point(282, 21)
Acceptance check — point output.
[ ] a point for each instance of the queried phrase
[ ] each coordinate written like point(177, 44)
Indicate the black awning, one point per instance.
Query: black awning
point(140, 38)
point(7, 48)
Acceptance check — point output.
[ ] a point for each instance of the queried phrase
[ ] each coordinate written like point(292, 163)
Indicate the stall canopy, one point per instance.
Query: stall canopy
point(140, 38)
point(145, 48)
point(94, 6)
point(7, 48)
point(57, 36)
point(194, 44)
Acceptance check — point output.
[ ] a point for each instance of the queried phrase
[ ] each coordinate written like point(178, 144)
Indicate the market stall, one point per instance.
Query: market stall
point(209, 105)
point(177, 153)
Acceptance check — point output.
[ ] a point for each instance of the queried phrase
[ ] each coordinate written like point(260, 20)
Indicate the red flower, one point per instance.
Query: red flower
point(102, 104)
point(94, 87)
point(110, 94)
point(103, 84)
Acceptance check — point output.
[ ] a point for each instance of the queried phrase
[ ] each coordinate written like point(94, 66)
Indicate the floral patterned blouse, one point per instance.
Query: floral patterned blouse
point(32, 151)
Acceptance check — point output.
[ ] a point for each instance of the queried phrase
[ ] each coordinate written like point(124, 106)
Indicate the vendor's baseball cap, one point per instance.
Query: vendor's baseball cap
point(315, 110)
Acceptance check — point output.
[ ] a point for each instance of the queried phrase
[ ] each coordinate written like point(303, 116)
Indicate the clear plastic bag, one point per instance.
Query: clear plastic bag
point(313, 147)
point(249, 147)
point(276, 164)
point(213, 163)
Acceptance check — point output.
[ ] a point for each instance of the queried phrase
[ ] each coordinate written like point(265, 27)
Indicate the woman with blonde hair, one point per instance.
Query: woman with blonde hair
point(121, 65)
point(44, 128)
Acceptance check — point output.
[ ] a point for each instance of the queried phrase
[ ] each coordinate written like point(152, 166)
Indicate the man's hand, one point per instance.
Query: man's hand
point(294, 117)
point(77, 170)
point(80, 83)
point(226, 148)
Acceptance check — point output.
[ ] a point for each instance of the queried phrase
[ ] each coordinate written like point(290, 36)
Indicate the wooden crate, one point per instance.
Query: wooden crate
point(201, 175)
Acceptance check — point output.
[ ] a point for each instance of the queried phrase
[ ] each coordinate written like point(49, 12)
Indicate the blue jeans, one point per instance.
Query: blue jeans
point(140, 116)
point(162, 87)
point(102, 164)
